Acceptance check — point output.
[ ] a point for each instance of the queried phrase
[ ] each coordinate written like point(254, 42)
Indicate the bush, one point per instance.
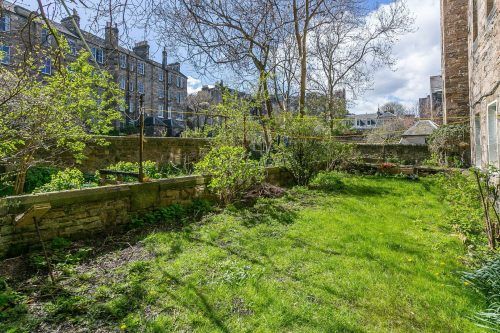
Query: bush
point(307, 147)
point(449, 145)
point(232, 172)
point(67, 179)
point(151, 170)
point(487, 280)
point(327, 181)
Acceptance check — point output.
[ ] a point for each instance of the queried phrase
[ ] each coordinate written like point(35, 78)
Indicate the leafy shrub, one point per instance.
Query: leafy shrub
point(151, 170)
point(66, 179)
point(449, 145)
point(327, 181)
point(487, 280)
point(232, 172)
point(307, 147)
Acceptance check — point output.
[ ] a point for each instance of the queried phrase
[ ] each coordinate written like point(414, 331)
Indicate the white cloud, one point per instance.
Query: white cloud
point(193, 85)
point(419, 57)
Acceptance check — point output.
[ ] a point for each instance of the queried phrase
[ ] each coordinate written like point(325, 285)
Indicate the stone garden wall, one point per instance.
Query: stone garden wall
point(83, 213)
point(182, 150)
point(401, 154)
point(158, 149)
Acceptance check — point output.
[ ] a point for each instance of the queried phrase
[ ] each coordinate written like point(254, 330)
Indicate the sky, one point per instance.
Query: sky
point(418, 56)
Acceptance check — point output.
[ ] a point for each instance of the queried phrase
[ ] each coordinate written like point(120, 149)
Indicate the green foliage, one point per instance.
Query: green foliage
point(37, 177)
point(67, 179)
point(449, 145)
point(151, 170)
point(487, 280)
point(42, 121)
point(307, 147)
point(232, 172)
point(466, 214)
point(327, 181)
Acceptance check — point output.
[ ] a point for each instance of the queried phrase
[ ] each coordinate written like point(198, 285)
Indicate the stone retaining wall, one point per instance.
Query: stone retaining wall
point(83, 213)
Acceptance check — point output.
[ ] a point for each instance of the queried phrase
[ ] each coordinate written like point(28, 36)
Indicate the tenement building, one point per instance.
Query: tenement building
point(484, 80)
point(163, 85)
point(431, 107)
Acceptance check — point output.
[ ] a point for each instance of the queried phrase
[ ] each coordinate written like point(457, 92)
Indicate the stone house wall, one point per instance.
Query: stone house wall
point(484, 78)
point(454, 60)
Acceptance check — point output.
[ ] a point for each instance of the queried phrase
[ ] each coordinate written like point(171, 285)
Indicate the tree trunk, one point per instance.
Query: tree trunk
point(303, 82)
point(20, 180)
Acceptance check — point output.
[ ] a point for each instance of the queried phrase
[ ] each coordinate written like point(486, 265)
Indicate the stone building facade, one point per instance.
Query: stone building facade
point(454, 60)
point(163, 85)
point(484, 80)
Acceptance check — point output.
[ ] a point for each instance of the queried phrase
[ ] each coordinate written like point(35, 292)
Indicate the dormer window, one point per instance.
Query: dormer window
point(123, 61)
point(98, 55)
point(5, 22)
point(140, 67)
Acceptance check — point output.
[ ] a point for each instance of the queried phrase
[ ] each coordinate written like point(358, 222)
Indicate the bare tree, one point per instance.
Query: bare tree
point(344, 35)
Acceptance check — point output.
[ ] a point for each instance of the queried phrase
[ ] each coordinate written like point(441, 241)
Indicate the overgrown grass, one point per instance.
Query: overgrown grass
point(371, 255)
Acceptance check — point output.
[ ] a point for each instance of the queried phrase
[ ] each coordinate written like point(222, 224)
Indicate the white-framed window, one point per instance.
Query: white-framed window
point(72, 46)
point(492, 134)
point(5, 54)
point(178, 81)
point(161, 109)
point(98, 55)
point(131, 66)
point(170, 78)
point(45, 37)
point(169, 112)
point(47, 66)
point(161, 92)
point(140, 87)
point(140, 67)
point(131, 86)
point(477, 141)
point(160, 75)
point(123, 60)
point(131, 106)
point(179, 97)
point(5, 22)
point(123, 82)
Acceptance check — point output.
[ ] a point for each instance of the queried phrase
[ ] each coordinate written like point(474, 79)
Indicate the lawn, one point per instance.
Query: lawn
point(374, 256)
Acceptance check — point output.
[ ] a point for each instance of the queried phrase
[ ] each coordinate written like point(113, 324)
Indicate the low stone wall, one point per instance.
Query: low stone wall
point(160, 150)
point(83, 213)
point(401, 154)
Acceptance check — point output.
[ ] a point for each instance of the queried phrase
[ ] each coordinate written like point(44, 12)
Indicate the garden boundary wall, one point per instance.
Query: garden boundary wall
point(77, 214)
point(190, 150)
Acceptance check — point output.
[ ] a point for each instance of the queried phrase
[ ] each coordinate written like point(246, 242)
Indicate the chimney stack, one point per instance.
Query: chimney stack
point(164, 60)
point(142, 50)
point(111, 35)
point(68, 23)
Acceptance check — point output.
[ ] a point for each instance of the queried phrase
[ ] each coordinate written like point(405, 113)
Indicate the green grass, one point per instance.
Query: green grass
point(373, 256)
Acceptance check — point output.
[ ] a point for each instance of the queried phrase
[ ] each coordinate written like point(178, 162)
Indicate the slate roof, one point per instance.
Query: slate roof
point(421, 128)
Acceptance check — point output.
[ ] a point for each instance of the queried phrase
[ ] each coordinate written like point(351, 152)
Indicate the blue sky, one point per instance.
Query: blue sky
point(418, 57)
